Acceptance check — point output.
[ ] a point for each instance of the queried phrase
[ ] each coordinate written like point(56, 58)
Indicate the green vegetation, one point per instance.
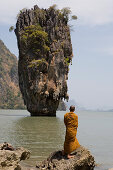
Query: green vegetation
point(63, 13)
point(67, 60)
point(74, 17)
point(66, 12)
point(53, 7)
point(56, 28)
point(11, 29)
point(21, 11)
point(62, 44)
point(36, 39)
point(40, 14)
point(60, 16)
point(37, 63)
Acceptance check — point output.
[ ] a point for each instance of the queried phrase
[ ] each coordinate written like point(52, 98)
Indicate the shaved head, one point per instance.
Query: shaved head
point(72, 108)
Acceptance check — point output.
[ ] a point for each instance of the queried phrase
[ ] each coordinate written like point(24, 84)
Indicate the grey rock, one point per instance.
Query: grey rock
point(83, 160)
point(9, 160)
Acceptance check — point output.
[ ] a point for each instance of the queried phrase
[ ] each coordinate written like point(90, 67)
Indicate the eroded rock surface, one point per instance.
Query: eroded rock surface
point(83, 160)
point(45, 52)
point(9, 160)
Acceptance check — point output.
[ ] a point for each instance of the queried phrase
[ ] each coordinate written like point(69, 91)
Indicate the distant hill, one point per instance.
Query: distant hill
point(10, 95)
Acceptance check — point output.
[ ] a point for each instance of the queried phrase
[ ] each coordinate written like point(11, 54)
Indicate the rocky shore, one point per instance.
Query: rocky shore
point(10, 160)
point(10, 157)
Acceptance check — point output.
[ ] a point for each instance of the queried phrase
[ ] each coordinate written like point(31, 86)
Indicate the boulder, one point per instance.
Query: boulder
point(83, 160)
point(9, 159)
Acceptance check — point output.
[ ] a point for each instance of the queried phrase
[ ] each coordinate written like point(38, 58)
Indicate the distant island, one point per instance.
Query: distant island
point(10, 95)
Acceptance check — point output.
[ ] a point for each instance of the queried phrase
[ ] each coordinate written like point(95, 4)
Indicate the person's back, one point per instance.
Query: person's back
point(71, 119)
point(71, 122)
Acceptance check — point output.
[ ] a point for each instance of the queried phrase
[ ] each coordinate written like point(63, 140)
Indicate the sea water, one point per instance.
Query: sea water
point(43, 135)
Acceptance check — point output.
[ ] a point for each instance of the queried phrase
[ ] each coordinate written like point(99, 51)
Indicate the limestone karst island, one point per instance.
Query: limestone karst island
point(45, 52)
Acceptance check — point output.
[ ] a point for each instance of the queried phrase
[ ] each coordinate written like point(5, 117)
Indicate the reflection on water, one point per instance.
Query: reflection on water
point(42, 135)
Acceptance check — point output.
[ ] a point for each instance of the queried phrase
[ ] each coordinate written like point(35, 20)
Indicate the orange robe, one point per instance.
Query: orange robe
point(71, 122)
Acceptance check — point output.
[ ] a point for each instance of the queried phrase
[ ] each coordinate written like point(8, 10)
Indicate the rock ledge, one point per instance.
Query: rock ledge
point(83, 160)
point(9, 159)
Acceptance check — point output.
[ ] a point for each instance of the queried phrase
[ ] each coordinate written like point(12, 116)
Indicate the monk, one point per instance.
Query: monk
point(71, 143)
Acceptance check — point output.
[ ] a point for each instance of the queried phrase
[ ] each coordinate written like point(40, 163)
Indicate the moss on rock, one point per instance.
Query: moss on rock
point(34, 38)
point(37, 63)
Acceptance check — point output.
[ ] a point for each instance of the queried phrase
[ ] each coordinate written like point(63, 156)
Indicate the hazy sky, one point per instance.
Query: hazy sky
point(91, 75)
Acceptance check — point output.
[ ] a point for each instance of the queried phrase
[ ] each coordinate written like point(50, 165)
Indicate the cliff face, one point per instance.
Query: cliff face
point(45, 52)
point(10, 95)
